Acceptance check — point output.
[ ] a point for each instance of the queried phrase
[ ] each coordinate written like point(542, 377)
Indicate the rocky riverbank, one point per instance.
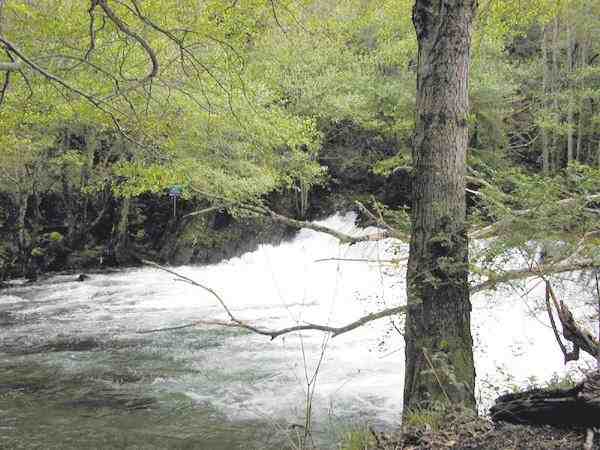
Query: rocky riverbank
point(66, 230)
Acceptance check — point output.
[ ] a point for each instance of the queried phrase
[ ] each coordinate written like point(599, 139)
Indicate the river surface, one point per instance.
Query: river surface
point(79, 369)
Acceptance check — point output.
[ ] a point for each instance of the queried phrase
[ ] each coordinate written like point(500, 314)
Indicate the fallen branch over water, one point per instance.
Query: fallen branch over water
point(363, 260)
point(234, 322)
point(496, 227)
point(495, 279)
point(336, 331)
point(342, 237)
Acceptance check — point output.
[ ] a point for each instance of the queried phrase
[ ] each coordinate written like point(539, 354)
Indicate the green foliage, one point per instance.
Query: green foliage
point(386, 166)
point(560, 382)
point(357, 440)
point(533, 212)
point(431, 418)
point(55, 236)
point(38, 251)
point(237, 114)
point(246, 92)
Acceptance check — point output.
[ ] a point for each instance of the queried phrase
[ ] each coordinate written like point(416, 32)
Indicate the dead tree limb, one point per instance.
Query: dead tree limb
point(579, 337)
point(10, 66)
point(569, 356)
point(364, 260)
point(381, 222)
point(234, 322)
point(342, 237)
point(201, 212)
point(566, 265)
point(496, 227)
point(587, 341)
point(578, 407)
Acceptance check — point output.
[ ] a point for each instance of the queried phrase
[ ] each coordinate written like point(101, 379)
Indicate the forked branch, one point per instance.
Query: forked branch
point(122, 26)
point(237, 323)
point(342, 237)
point(571, 330)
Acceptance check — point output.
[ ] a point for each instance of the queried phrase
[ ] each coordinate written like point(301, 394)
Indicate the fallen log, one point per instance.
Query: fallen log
point(578, 407)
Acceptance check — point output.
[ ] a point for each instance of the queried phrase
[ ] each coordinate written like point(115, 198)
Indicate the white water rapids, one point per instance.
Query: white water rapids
point(245, 377)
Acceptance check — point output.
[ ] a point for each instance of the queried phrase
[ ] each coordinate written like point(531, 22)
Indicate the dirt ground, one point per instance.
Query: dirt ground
point(459, 433)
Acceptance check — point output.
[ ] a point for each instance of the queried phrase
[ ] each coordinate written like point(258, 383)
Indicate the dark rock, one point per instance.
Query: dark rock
point(207, 240)
point(83, 277)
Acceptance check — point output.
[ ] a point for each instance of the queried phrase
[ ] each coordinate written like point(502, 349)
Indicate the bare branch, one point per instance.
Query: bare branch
point(10, 66)
point(378, 261)
point(194, 283)
point(276, 18)
point(180, 43)
point(493, 229)
point(122, 26)
point(382, 223)
point(237, 323)
point(342, 237)
point(203, 211)
point(5, 85)
point(569, 356)
point(96, 102)
point(528, 272)
point(102, 105)
point(580, 338)
point(92, 46)
point(587, 341)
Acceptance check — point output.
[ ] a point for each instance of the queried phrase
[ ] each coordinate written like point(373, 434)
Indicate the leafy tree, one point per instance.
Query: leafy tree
point(234, 100)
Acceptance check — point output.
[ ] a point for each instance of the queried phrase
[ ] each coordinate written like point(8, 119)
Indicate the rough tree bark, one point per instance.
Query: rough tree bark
point(439, 346)
point(121, 238)
point(555, 156)
point(22, 203)
point(570, 104)
point(544, 131)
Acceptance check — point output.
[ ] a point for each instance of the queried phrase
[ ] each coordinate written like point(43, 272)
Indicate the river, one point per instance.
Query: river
point(79, 368)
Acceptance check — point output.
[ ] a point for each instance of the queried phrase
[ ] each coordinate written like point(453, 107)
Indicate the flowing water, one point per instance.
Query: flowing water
point(79, 369)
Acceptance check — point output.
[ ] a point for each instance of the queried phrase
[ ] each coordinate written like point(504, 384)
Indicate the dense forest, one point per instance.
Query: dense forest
point(190, 132)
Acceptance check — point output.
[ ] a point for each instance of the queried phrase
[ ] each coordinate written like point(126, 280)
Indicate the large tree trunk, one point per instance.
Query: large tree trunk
point(439, 346)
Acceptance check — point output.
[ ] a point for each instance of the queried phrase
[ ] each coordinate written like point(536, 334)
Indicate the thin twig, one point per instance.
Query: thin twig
point(378, 261)
point(122, 26)
point(237, 323)
point(436, 375)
